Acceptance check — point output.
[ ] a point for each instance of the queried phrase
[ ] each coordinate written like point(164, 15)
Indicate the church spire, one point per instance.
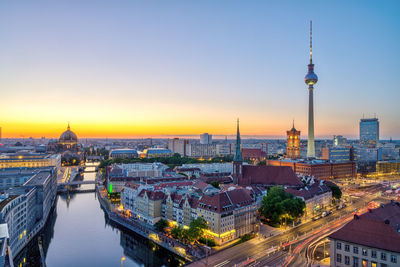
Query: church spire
point(238, 154)
point(68, 128)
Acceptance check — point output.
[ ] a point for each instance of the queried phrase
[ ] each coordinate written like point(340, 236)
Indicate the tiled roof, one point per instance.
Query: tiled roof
point(226, 200)
point(270, 175)
point(221, 179)
point(309, 191)
point(252, 153)
point(153, 195)
point(132, 185)
point(200, 185)
point(379, 228)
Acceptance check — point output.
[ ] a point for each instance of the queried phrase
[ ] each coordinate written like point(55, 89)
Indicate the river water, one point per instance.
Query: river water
point(78, 233)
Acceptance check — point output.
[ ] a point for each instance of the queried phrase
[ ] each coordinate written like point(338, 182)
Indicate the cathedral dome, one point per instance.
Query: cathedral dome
point(68, 136)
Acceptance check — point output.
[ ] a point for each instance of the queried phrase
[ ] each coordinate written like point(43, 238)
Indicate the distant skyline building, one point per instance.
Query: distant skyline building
point(205, 139)
point(311, 79)
point(369, 132)
point(339, 140)
point(293, 143)
point(177, 145)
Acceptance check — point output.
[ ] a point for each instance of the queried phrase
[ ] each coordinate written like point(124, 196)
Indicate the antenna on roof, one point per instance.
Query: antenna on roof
point(310, 41)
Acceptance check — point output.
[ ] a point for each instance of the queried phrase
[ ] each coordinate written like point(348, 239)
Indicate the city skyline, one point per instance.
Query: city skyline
point(114, 72)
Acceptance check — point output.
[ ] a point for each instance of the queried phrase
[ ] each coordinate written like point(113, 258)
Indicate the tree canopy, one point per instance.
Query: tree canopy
point(336, 192)
point(279, 205)
point(191, 234)
point(215, 184)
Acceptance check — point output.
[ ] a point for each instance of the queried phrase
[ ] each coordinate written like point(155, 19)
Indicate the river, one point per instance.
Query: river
point(78, 233)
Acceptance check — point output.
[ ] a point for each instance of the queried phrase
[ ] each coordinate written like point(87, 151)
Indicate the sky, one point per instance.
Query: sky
point(148, 68)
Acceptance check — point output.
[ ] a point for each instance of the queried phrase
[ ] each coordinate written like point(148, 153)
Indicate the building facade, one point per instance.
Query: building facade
point(177, 145)
point(206, 139)
point(370, 239)
point(320, 169)
point(369, 132)
point(293, 143)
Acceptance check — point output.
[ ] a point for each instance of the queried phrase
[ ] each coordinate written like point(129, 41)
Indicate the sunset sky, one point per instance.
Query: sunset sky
point(139, 68)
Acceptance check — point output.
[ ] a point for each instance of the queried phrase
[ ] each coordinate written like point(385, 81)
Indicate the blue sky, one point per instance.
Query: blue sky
point(127, 68)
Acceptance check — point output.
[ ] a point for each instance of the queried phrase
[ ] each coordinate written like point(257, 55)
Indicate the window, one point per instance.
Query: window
point(364, 252)
point(346, 260)
point(373, 264)
point(338, 245)
point(383, 265)
point(355, 262)
point(364, 263)
point(383, 256)
point(373, 253)
point(355, 250)
point(393, 258)
point(339, 257)
point(346, 247)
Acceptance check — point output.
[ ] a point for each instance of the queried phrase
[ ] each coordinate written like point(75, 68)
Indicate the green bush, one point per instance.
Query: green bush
point(207, 241)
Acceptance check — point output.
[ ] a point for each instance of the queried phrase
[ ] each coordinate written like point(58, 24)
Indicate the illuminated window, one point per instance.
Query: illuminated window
point(364, 263)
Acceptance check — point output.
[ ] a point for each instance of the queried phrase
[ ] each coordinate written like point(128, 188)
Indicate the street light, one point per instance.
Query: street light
point(122, 260)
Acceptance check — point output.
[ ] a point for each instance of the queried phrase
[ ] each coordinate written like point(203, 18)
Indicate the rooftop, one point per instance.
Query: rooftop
point(378, 228)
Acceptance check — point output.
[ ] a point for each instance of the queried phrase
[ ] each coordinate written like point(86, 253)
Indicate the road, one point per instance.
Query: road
point(264, 251)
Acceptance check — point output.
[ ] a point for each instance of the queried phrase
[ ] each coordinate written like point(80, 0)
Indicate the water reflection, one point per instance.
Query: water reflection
point(78, 233)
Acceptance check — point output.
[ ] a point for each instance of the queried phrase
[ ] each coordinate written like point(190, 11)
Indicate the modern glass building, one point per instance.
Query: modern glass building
point(369, 132)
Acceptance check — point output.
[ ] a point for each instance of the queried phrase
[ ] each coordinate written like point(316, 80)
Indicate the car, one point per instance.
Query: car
point(316, 218)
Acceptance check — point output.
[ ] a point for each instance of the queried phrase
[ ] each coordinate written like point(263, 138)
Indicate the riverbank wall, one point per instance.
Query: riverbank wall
point(144, 232)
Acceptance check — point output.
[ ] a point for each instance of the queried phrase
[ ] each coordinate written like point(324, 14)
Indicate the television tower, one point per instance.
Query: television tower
point(311, 79)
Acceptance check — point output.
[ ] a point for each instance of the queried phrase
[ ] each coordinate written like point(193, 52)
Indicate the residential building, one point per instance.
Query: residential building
point(316, 194)
point(177, 145)
point(206, 139)
point(229, 214)
point(369, 132)
point(149, 206)
point(180, 208)
point(370, 239)
point(204, 151)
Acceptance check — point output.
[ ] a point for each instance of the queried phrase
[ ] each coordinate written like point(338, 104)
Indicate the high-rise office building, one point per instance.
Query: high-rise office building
point(311, 79)
point(293, 143)
point(369, 132)
point(205, 139)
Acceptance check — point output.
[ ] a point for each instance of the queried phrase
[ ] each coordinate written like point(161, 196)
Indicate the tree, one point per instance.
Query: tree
point(336, 192)
point(279, 205)
point(161, 225)
point(177, 232)
point(215, 184)
point(196, 228)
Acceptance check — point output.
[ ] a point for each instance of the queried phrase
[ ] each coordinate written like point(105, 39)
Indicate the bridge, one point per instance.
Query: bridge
point(88, 169)
point(78, 183)
point(94, 158)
